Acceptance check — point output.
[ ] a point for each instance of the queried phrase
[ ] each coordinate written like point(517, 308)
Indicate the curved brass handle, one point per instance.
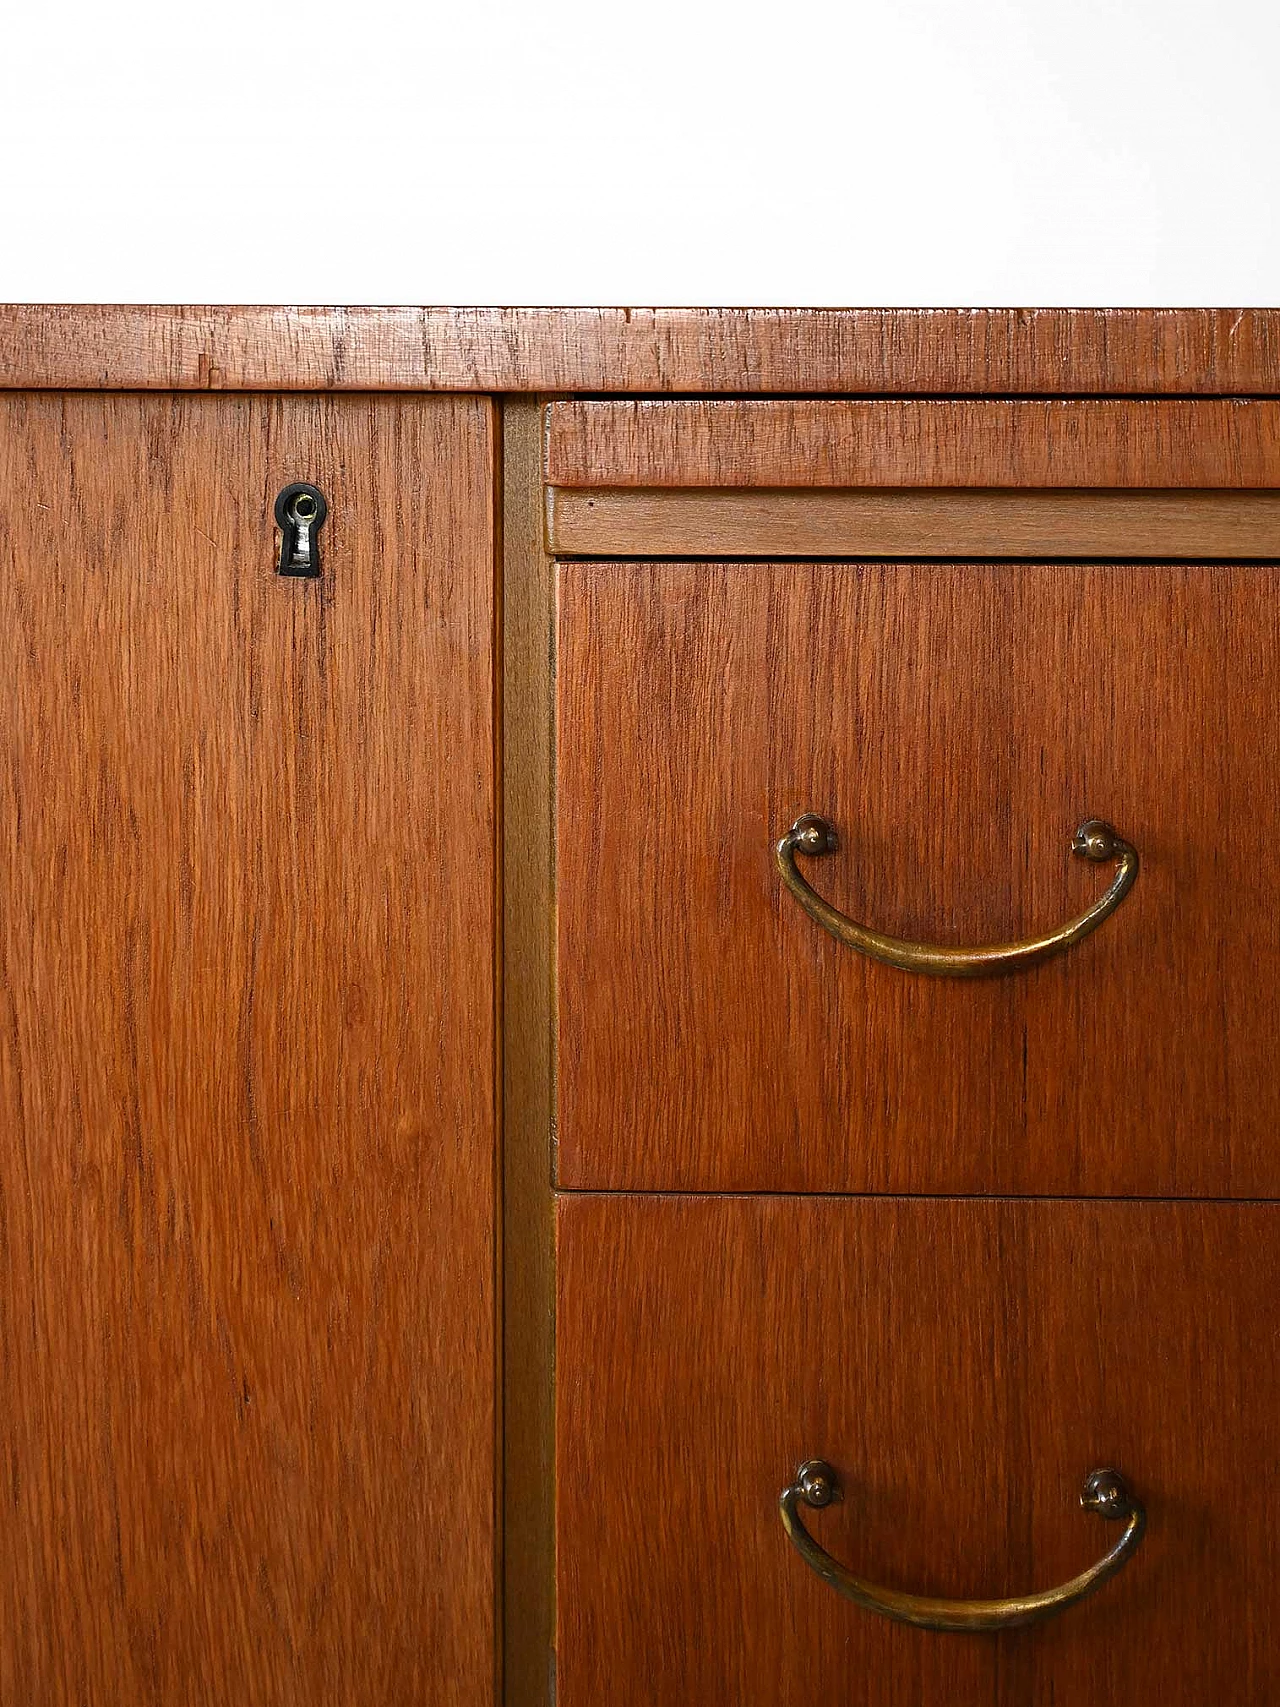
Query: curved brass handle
point(1094, 840)
point(1105, 1492)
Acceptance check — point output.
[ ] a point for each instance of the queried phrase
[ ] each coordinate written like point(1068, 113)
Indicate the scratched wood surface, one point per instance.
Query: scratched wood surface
point(964, 1365)
point(753, 350)
point(246, 1055)
point(1104, 442)
point(910, 522)
point(956, 722)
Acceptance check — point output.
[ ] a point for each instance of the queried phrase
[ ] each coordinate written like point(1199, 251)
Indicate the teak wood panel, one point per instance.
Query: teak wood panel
point(1100, 442)
point(1002, 351)
point(956, 723)
point(528, 950)
point(912, 523)
point(963, 1365)
point(246, 1055)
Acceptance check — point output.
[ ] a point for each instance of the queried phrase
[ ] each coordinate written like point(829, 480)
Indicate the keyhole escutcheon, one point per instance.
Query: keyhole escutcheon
point(300, 513)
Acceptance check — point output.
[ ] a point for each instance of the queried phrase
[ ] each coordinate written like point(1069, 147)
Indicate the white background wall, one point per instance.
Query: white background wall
point(886, 152)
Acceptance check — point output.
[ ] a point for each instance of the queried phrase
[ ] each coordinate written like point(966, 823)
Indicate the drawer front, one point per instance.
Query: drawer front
point(914, 442)
point(963, 1366)
point(1101, 477)
point(955, 724)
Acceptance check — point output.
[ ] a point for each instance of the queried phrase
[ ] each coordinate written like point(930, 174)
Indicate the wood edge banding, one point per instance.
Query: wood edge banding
point(912, 523)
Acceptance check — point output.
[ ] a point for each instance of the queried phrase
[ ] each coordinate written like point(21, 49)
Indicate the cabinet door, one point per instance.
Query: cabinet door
point(963, 1366)
point(246, 1054)
point(955, 723)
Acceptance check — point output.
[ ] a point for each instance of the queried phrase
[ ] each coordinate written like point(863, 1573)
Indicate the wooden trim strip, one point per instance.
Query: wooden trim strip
point(751, 351)
point(528, 1068)
point(1108, 442)
point(1176, 525)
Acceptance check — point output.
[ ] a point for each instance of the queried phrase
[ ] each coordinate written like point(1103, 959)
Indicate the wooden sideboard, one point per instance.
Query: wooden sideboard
point(637, 1007)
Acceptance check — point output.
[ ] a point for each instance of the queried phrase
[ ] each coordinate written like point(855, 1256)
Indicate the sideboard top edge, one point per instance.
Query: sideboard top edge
point(644, 351)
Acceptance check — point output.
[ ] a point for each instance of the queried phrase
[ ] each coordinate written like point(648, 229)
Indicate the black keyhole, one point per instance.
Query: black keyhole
point(300, 513)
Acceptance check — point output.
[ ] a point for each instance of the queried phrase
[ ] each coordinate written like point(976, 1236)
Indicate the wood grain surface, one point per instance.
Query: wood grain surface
point(913, 523)
point(528, 638)
point(919, 442)
point(247, 1055)
point(1005, 351)
point(956, 722)
point(963, 1365)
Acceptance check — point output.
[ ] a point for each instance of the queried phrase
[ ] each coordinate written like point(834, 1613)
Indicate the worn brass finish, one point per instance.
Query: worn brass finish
point(1094, 841)
point(1105, 1492)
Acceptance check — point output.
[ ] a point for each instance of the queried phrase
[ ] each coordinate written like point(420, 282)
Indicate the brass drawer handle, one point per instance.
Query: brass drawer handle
point(1105, 1493)
point(1094, 840)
